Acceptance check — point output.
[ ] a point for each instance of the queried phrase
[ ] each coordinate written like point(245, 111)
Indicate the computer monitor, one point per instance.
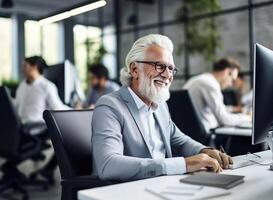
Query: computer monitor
point(262, 120)
point(64, 76)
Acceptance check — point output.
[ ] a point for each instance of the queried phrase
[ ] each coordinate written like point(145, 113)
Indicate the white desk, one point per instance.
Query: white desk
point(258, 185)
point(233, 131)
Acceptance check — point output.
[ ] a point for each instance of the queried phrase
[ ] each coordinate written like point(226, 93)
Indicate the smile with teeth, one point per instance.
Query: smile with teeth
point(160, 83)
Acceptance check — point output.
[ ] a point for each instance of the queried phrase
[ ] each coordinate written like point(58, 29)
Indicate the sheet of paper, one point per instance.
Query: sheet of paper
point(186, 192)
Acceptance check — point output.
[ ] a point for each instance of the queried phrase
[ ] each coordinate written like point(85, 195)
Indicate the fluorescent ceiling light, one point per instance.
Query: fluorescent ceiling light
point(72, 12)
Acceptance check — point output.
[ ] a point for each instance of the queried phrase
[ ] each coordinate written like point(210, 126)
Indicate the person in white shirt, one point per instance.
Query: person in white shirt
point(205, 92)
point(35, 94)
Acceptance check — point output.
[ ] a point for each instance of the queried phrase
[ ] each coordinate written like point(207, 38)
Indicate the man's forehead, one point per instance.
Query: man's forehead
point(155, 52)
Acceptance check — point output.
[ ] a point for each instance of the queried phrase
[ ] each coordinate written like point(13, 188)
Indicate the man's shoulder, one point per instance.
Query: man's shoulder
point(110, 99)
point(112, 86)
point(204, 80)
point(47, 84)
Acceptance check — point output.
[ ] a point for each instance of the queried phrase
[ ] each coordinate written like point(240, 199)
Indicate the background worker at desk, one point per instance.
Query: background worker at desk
point(35, 94)
point(205, 92)
point(99, 84)
point(133, 134)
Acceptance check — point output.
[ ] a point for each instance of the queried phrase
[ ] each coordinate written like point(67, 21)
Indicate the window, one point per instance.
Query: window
point(32, 38)
point(43, 40)
point(109, 43)
point(87, 43)
point(5, 48)
point(51, 44)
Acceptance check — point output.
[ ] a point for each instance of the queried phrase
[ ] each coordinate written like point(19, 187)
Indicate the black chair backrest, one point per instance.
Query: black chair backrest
point(70, 133)
point(9, 126)
point(230, 97)
point(184, 115)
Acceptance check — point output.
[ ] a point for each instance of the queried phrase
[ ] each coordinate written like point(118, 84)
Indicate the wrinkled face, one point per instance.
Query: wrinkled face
point(153, 82)
point(229, 76)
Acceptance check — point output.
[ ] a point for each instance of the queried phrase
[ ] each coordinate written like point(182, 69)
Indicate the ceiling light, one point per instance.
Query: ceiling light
point(72, 12)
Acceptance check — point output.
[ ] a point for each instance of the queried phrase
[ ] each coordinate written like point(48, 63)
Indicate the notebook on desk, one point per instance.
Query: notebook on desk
point(212, 179)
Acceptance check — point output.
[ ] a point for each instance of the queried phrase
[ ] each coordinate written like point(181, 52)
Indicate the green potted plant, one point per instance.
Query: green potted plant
point(11, 84)
point(201, 36)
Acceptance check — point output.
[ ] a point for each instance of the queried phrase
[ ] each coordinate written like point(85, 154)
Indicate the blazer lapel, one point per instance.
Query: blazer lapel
point(162, 126)
point(125, 94)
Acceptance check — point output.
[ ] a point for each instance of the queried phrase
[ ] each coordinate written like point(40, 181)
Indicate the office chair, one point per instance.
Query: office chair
point(185, 117)
point(16, 146)
point(71, 132)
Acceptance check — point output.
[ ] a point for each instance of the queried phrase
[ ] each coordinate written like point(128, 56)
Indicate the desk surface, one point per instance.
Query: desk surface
point(258, 185)
point(233, 131)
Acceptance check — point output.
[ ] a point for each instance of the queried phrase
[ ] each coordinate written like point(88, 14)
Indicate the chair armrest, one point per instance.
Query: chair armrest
point(36, 128)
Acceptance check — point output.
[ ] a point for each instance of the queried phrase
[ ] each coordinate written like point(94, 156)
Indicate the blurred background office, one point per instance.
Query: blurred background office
point(202, 32)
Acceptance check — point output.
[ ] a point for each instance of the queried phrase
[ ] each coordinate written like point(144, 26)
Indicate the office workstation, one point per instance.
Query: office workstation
point(136, 99)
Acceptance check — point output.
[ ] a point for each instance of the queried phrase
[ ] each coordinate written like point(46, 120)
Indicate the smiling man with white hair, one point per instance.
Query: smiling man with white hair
point(133, 134)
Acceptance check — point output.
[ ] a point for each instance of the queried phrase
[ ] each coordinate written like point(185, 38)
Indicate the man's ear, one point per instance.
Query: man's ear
point(134, 70)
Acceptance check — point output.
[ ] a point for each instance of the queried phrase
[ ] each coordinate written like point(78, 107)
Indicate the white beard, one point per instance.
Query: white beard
point(148, 89)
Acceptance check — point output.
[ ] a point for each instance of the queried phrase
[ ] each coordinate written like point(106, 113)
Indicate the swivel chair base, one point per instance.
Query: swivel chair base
point(15, 180)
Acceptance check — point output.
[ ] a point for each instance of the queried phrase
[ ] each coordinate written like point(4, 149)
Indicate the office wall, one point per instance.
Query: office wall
point(233, 24)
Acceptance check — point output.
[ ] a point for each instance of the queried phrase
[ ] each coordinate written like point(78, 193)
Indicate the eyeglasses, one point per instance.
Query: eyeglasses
point(159, 67)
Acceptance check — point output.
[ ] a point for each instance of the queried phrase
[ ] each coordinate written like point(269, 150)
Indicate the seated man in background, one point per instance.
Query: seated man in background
point(233, 95)
point(133, 134)
point(34, 95)
point(99, 84)
point(205, 92)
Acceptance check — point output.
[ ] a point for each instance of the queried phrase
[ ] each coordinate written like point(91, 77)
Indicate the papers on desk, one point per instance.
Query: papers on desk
point(186, 192)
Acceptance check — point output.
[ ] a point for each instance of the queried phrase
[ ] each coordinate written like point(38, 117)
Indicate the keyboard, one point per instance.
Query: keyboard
point(245, 125)
point(245, 160)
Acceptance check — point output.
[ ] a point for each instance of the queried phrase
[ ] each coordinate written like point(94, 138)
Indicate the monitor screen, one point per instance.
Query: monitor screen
point(263, 94)
point(64, 76)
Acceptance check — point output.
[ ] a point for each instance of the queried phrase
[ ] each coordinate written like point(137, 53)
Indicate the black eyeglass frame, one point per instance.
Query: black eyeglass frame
point(159, 67)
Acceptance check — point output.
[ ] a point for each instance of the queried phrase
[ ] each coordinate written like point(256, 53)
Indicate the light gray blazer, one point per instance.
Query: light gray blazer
point(119, 147)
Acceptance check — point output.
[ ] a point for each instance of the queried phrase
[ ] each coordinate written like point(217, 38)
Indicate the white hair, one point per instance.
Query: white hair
point(137, 53)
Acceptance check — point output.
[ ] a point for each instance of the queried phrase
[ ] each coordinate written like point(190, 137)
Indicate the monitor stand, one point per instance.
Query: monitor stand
point(269, 141)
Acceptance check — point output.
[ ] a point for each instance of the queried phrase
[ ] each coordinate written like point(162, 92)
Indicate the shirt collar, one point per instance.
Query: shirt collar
point(140, 104)
point(36, 81)
point(216, 83)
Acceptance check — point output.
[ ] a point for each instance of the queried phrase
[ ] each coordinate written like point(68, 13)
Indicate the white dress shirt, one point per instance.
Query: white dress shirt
point(32, 99)
point(205, 92)
point(173, 165)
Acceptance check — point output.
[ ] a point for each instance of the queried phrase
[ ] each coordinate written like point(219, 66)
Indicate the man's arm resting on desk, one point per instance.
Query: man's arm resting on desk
point(110, 163)
point(197, 155)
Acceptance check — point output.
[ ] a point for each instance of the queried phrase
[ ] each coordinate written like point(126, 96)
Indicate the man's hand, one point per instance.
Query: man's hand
point(223, 159)
point(202, 160)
